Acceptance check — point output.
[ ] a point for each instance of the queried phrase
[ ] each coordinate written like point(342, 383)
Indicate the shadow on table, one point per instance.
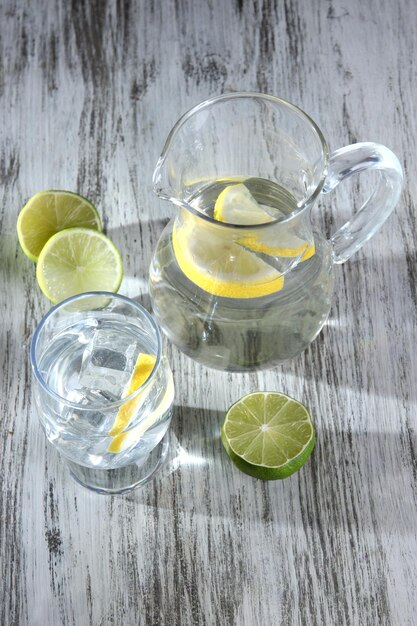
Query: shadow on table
point(140, 239)
point(368, 343)
point(357, 482)
point(356, 350)
point(342, 359)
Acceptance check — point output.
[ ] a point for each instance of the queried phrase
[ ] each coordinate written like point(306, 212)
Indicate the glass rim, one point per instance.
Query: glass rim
point(109, 405)
point(301, 206)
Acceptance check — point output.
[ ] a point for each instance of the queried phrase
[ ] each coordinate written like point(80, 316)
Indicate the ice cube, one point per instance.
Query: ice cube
point(107, 363)
point(101, 420)
point(87, 331)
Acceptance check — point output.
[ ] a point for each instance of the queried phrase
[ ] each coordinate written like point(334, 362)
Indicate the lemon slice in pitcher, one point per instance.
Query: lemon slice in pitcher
point(218, 265)
point(236, 205)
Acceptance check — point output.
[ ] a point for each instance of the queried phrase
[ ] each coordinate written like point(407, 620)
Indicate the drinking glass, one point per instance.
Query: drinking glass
point(103, 390)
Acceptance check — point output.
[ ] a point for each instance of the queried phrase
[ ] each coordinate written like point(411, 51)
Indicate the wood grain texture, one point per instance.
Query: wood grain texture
point(88, 93)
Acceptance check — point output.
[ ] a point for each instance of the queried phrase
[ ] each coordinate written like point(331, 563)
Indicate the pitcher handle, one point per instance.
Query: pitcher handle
point(363, 225)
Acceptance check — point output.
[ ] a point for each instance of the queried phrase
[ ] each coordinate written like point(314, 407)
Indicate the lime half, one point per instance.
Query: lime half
point(77, 260)
point(268, 435)
point(49, 212)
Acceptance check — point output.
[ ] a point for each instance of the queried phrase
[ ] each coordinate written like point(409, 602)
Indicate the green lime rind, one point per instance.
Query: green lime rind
point(78, 260)
point(50, 211)
point(269, 473)
point(268, 435)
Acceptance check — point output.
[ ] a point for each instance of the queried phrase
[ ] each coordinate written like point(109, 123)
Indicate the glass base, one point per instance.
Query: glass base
point(123, 479)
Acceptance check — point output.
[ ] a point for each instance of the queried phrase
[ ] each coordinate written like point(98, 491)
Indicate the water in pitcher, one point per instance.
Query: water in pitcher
point(241, 333)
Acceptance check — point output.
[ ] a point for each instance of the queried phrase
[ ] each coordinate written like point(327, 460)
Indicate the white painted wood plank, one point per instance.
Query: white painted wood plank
point(88, 93)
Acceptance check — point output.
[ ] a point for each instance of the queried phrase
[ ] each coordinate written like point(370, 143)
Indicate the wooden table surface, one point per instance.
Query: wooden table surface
point(88, 93)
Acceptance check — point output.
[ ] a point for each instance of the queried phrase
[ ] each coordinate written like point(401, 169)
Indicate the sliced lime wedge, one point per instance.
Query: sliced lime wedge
point(49, 212)
point(77, 260)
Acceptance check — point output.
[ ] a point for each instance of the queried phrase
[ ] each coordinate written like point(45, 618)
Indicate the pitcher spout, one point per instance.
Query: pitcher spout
point(160, 180)
point(164, 183)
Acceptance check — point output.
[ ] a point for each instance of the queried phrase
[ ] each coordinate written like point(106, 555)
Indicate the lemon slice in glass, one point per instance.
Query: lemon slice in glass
point(121, 440)
point(143, 369)
point(49, 212)
point(77, 260)
point(218, 265)
point(236, 205)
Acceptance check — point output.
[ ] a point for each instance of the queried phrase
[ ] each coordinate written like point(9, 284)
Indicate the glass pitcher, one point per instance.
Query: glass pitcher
point(239, 279)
